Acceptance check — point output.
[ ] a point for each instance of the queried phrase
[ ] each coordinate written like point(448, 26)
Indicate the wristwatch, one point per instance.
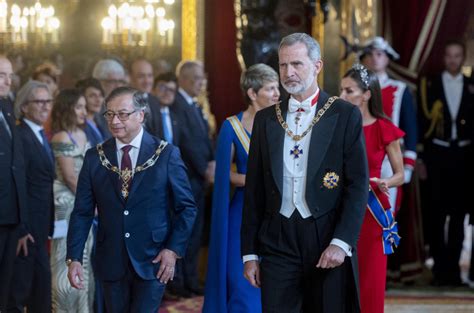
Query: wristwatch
point(69, 261)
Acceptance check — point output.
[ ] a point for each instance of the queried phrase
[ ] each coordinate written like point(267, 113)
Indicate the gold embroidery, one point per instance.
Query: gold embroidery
point(330, 180)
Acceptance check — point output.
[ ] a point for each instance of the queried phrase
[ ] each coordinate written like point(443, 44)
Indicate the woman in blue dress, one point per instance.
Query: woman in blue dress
point(227, 291)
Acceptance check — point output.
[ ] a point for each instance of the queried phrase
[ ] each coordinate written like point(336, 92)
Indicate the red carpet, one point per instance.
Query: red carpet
point(193, 305)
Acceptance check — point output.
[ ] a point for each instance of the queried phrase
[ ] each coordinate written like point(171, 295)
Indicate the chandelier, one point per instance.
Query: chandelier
point(21, 26)
point(129, 24)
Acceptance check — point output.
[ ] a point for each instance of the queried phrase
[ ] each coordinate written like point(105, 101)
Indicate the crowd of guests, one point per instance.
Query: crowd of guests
point(293, 227)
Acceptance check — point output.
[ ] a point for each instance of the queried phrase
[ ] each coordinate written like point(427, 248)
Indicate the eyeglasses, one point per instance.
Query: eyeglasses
point(42, 102)
point(164, 88)
point(123, 116)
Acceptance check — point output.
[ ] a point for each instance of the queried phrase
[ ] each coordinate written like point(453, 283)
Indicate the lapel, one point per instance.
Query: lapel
point(39, 146)
point(275, 140)
point(321, 137)
point(147, 149)
point(464, 99)
point(110, 150)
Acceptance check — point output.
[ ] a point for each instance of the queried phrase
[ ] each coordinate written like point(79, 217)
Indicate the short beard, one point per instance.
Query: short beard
point(301, 87)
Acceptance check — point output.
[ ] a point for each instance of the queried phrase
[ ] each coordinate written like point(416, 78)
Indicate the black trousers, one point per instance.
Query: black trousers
point(8, 242)
point(448, 170)
point(31, 286)
point(132, 294)
point(291, 283)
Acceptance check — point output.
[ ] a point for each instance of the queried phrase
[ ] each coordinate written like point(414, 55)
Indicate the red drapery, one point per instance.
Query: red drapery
point(221, 60)
point(417, 29)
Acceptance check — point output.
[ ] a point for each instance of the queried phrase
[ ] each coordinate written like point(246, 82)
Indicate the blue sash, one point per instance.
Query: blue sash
point(390, 237)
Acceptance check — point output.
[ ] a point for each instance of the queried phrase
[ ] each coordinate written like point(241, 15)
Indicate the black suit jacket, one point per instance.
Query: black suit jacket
point(336, 145)
point(464, 119)
point(154, 122)
point(39, 178)
point(12, 173)
point(195, 144)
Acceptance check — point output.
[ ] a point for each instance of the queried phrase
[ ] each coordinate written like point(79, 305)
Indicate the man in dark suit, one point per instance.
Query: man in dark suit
point(164, 122)
point(197, 151)
point(306, 193)
point(448, 135)
point(31, 287)
point(12, 182)
point(138, 238)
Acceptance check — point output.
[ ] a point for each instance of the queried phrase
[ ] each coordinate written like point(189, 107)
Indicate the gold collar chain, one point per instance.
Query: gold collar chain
point(316, 119)
point(127, 174)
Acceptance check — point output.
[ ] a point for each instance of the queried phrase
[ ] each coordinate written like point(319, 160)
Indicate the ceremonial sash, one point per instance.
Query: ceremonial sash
point(390, 237)
point(240, 132)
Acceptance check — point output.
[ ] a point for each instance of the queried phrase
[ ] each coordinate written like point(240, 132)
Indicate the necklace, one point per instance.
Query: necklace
point(127, 174)
point(316, 119)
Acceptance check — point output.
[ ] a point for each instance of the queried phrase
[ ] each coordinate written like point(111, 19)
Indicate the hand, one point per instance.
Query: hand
point(407, 175)
point(382, 184)
point(252, 273)
point(332, 256)
point(210, 171)
point(76, 275)
point(168, 263)
point(23, 244)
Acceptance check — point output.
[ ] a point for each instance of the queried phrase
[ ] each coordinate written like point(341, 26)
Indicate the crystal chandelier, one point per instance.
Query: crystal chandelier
point(23, 25)
point(129, 24)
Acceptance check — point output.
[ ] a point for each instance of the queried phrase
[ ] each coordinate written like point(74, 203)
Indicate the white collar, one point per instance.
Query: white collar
point(136, 142)
point(164, 109)
point(186, 96)
point(450, 77)
point(383, 78)
point(307, 99)
point(34, 127)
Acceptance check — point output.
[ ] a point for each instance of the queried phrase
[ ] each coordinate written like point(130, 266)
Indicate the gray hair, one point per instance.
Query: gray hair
point(185, 65)
point(140, 99)
point(314, 51)
point(25, 93)
point(105, 67)
point(255, 77)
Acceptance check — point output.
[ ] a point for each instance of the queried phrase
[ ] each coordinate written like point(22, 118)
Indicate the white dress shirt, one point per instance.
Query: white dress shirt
point(295, 170)
point(35, 128)
point(135, 143)
point(452, 86)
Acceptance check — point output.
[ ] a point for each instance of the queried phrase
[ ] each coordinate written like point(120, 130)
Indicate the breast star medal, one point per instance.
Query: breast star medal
point(296, 151)
point(330, 180)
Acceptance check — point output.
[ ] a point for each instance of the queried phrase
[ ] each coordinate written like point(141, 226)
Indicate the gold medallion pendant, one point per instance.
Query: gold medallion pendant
point(127, 174)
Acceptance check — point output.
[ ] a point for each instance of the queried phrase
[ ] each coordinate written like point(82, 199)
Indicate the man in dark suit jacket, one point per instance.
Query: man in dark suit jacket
point(197, 151)
point(31, 287)
point(448, 135)
point(138, 239)
point(163, 121)
point(12, 183)
point(306, 193)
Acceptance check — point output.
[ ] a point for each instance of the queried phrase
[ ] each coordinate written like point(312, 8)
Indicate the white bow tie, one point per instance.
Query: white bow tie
point(295, 106)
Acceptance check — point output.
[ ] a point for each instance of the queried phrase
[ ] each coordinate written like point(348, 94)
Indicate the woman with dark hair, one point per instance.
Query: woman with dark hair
point(69, 145)
point(379, 232)
point(226, 288)
point(94, 95)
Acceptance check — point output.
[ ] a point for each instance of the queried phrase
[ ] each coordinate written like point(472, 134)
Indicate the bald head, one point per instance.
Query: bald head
point(6, 72)
point(190, 77)
point(141, 75)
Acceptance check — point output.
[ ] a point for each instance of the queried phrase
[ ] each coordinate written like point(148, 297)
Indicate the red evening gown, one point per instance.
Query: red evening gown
point(372, 261)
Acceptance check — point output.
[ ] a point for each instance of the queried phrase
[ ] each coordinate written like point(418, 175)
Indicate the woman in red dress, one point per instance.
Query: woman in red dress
point(360, 87)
